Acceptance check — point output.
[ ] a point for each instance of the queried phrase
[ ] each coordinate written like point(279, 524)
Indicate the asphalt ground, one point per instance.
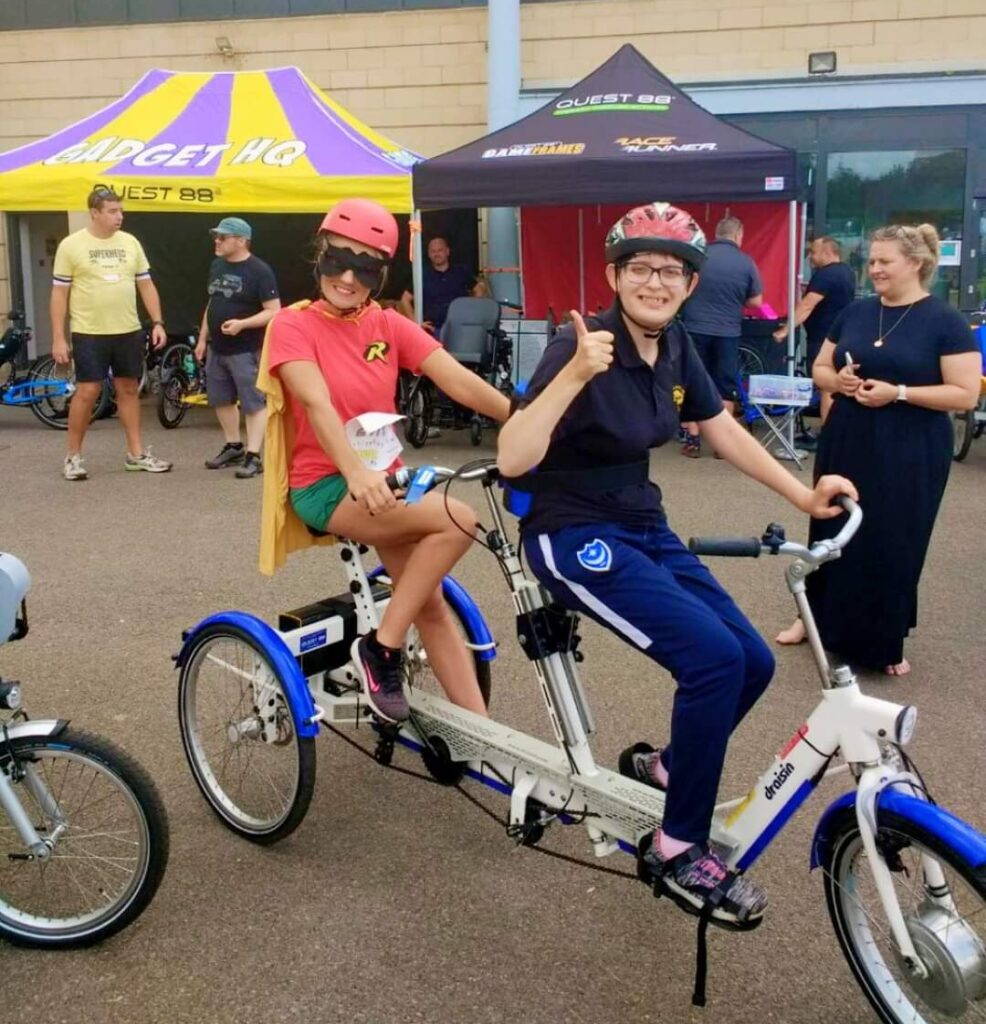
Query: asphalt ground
point(397, 901)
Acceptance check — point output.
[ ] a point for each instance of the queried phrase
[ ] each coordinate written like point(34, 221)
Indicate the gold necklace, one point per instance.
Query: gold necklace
point(880, 336)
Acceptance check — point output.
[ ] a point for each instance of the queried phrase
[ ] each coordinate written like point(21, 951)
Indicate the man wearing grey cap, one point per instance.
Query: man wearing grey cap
point(243, 299)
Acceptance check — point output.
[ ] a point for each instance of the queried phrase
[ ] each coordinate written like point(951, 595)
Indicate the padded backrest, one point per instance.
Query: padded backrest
point(11, 342)
point(467, 331)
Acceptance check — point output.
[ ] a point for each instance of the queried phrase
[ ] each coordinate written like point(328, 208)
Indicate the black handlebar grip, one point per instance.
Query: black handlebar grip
point(398, 481)
point(735, 547)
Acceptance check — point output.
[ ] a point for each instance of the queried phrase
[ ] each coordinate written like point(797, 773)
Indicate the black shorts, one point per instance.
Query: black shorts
point(96, 354)
point(721, 359)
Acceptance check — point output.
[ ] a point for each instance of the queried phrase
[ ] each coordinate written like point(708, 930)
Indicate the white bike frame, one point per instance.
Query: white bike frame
point(617, 811)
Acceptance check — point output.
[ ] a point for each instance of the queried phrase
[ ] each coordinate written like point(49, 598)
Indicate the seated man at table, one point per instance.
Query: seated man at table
point(443, 281)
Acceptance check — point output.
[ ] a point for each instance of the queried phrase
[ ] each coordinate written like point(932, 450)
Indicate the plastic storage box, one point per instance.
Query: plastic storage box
point(774, 389)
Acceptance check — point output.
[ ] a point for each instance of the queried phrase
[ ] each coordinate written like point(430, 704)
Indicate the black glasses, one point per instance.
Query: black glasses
point(335, 260)
point(642, 273)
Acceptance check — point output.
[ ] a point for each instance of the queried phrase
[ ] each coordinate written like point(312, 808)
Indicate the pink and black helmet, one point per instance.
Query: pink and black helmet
point(657, 227)
point(364, 221)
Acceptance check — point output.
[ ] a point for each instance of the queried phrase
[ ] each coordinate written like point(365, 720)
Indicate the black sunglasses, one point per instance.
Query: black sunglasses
point(335, 260)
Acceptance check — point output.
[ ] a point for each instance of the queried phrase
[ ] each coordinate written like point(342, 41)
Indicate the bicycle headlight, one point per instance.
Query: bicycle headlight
point(904, 726)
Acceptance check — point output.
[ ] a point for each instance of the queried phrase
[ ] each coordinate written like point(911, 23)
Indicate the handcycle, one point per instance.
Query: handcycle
point(45, 388)
point(83, 832)
point(904, 879)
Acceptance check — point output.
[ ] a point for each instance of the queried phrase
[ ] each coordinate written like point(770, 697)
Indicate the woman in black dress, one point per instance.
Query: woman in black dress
point(897, 363)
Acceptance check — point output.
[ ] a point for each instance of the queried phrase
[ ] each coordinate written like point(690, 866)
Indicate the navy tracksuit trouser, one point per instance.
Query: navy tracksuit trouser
point(645, 585)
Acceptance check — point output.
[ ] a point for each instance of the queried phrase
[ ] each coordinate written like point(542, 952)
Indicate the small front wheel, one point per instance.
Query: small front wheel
point(171, 408)
point(252, 767)
point(963, 431)
point(944, 917)
point(418, 413)
point(100, 817)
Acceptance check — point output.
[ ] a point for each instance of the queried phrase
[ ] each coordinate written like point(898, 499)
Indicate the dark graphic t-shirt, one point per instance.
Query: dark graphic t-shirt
point(236, 291)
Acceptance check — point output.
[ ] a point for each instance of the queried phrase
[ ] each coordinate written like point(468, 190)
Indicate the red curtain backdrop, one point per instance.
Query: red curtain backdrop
point(550, 252)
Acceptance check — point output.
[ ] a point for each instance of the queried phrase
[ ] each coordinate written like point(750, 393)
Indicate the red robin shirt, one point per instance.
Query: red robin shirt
point(359, 355)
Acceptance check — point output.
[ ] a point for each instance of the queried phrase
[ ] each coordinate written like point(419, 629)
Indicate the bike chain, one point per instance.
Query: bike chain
point(486, 810)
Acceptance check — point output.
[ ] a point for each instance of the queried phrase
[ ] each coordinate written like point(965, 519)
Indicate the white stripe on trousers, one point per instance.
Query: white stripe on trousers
point(628, 629)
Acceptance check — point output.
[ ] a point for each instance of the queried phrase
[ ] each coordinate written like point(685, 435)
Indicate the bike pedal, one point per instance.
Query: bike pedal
point(386, 739)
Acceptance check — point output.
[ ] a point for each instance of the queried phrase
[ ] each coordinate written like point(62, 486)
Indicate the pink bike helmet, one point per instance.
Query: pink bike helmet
point(364, 221)
point(657, 227)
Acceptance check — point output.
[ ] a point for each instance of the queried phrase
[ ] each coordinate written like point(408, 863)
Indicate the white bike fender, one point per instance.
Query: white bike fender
point(35, 729)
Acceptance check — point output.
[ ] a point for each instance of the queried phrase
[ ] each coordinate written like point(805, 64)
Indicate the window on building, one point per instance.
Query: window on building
point(868, 190)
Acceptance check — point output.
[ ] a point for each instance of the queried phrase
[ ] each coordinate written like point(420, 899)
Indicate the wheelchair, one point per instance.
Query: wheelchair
point(472, 334)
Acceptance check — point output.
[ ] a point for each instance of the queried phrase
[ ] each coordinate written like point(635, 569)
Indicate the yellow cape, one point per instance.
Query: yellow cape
point(281, 530)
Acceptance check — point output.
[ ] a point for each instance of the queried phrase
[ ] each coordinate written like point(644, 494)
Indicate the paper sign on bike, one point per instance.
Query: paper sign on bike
point(373, 438)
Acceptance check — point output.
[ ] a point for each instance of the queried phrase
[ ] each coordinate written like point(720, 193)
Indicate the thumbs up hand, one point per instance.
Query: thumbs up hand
point(594, 352)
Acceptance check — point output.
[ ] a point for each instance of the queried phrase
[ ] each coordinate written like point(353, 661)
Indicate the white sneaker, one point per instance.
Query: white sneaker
point(147, 462)
point(433, 432)
point(74, 469)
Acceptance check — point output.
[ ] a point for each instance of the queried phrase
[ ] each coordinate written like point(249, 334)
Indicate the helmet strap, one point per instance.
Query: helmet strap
point(648, 331)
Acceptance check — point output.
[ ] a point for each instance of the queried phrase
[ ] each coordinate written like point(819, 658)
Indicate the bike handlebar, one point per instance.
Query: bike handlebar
point(749, 547)
point(730, 547)
point(426, 478)
point(403, 477)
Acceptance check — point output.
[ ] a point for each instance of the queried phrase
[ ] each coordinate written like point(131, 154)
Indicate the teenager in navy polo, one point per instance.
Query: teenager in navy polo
point(604, 394)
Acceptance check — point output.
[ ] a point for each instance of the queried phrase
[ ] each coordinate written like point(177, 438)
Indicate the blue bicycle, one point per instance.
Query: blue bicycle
point(46, 388)
point(905, 880)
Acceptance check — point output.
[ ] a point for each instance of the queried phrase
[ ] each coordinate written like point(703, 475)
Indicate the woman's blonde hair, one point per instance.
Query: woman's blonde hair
point(917, 242)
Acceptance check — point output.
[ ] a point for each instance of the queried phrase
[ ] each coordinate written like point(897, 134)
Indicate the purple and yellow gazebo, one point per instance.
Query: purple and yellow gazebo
point(245, 141)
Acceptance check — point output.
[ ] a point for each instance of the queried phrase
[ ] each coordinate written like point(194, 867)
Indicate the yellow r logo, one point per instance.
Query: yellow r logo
point(376, 350)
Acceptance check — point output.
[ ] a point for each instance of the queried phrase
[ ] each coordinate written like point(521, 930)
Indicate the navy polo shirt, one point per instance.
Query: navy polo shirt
point(617, 418)
point(728, 279)
point(440, 288)
point(836, 283)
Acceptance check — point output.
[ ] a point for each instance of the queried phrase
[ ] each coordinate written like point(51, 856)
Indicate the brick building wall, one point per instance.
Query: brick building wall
point(420, 76)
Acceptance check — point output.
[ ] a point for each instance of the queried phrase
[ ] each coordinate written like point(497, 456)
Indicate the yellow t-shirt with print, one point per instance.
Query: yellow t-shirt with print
point(102, 273)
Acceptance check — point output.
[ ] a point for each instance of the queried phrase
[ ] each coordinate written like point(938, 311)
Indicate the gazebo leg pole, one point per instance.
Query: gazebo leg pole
point(792, 298)
point(417, 270)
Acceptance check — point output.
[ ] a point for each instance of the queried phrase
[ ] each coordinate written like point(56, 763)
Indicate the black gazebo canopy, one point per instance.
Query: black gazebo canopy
point(622, 134)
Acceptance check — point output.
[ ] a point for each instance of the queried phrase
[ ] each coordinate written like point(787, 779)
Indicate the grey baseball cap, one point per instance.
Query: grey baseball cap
point(232, 226)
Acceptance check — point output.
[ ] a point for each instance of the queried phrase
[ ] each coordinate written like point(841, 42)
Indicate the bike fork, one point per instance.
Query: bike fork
point(37, 848)
point(871, 783)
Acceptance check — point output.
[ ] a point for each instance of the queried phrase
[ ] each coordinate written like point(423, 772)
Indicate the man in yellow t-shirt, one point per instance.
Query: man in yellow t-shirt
point(95, 274)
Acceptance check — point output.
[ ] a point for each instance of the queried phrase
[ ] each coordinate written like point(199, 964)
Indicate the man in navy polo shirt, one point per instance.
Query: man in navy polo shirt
point(443, 281)
point(598, 540)
point(831, 288)
point(714, 314)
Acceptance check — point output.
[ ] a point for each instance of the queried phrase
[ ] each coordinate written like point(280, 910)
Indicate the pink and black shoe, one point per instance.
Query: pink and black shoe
point(380, 672)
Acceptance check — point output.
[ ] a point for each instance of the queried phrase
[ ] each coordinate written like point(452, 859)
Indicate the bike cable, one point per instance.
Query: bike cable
point(480, 528)
point(487, 811)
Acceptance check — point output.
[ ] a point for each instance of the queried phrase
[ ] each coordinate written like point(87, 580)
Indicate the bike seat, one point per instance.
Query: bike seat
point(323, 533)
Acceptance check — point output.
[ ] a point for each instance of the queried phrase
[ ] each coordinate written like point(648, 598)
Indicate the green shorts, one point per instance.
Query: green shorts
point(316, 502)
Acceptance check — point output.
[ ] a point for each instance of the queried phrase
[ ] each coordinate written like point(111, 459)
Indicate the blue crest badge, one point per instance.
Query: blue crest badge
point(595, 556)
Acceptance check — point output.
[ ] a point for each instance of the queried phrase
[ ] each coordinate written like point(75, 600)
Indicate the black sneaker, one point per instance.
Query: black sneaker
point(252, 466)
point(699, 877)
point(380, 673)
point(230, 455)
point(638, 762)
